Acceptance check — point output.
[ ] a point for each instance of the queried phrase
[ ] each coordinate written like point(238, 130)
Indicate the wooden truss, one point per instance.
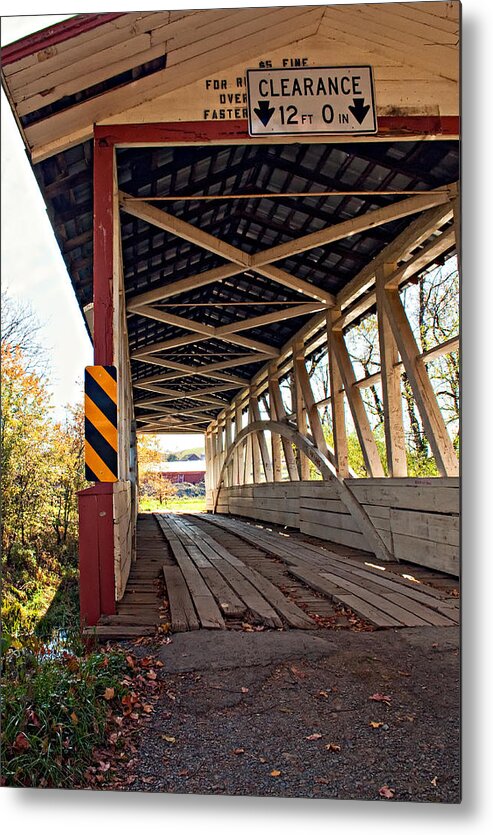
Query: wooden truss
point(426, 239)
point(435, 206)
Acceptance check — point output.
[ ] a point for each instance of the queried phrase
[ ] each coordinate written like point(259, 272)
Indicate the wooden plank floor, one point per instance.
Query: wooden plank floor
point(261, 601)
point(395, 598)
point(140, 612)
point(210, 571)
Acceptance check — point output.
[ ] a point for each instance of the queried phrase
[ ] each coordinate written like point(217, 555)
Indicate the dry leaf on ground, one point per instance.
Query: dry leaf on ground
point(380, 697)
point(332, 746)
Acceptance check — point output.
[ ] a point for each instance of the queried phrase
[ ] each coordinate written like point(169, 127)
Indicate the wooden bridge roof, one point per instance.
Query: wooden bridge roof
point(172, 240)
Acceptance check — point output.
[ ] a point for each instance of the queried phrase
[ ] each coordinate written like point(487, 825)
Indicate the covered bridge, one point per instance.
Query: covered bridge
point(217, 241)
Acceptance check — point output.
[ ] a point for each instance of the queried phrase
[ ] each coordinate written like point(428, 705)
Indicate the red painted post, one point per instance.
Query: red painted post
point(103, 252)
point(96, 528)
point(105, 525)
point(89, 590)
point(96, 566)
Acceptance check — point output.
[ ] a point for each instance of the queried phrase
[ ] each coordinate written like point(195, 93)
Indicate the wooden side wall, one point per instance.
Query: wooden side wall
point(417, 518)
point(123, 534)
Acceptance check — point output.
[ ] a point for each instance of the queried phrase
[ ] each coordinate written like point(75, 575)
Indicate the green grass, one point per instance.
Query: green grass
point(54, 713)
point(184, 504)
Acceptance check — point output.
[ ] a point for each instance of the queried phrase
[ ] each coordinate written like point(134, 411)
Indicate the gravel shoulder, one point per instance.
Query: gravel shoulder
point(286, 714)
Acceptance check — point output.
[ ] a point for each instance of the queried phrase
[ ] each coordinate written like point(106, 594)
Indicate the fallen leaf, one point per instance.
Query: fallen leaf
point(21, 743)
point(168, 738)
point(134, 715)
point(152, 675)
point(33, 718)
point(332, 746)
point(380, 697)
point(184, 772)
point(158, 664)
point(74, 718)
point(130, 661)
point(323, 693)
point(376, 724)
point(148, 708)
point(104, 766)
point(385, 791)
point(434, 781)
point(109, 693)
point(262, 760)
point(314, 736)
point(244, 690)
point(238, 750)
point(275, 773)
point(148, 780)
point(403, 673)
point(322, 780)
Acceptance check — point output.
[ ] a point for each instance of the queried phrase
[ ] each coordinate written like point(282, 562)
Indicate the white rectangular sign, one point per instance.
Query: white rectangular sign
point(311, 100)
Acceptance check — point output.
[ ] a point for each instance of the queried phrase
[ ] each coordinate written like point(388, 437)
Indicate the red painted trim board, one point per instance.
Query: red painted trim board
point(52, 35)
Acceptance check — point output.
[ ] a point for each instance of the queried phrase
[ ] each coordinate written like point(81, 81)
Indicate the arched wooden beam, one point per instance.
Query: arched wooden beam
point(328, 474)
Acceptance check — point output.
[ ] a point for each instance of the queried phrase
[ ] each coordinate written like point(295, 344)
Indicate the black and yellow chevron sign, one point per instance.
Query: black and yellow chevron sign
point(101, 433)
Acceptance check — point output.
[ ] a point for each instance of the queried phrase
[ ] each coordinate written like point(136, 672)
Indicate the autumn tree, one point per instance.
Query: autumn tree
point(152, 482)
point(67, 475)
point(25, 453)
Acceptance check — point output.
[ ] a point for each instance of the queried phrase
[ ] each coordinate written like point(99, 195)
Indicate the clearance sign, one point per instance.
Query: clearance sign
point(311, 100)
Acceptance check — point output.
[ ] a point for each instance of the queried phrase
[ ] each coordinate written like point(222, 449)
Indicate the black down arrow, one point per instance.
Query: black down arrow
point(359, 109)
point(264, 112)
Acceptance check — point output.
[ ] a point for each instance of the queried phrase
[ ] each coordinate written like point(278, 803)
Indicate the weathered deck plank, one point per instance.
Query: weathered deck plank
point(229, 567)
point(183, 614)
point(293, 615)
point(207, 609)
point(390, 600)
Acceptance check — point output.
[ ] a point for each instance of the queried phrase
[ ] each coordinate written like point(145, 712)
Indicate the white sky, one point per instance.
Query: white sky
point(32, 266)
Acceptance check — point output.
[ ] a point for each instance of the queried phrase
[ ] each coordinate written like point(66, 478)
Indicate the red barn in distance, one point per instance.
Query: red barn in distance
point(184, 472)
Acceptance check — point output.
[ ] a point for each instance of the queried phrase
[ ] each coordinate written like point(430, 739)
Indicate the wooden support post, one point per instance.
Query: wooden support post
point(254, 447)
point(357, 406)
point(215, 468)
point(238, 456)
point(256, 465)
point(275, 439)
point(248, 462)
point(228, 442)
point(433, 422)
point(309, 400)
point(337, 401)
point(299, 410)
point(260, 438)
point(103, 252)
point(277, 409)
point(96, 514)
point(208, 471)
point(395, 443)
point(219, 450)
